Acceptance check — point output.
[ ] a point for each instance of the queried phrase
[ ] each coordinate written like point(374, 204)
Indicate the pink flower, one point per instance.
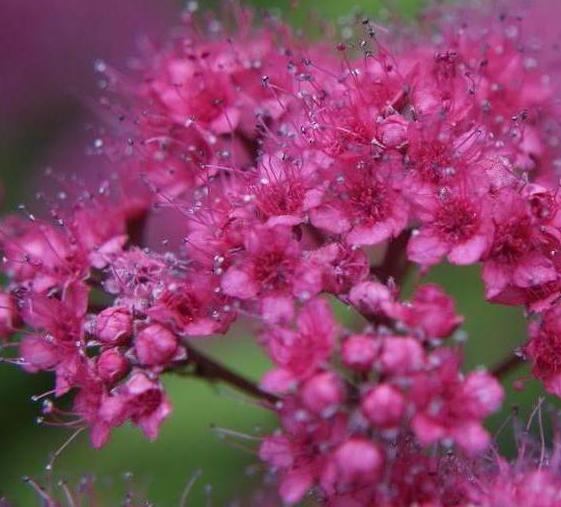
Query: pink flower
point(146, 403)
point(483, 394)
point(268, 266)
point(544, 352)
point(279, 174)
point(438, 158)
point(449, 407)
point(40, 255)
point(192, 309)
point(372, 298)
point(139, 399)
point(293, 453)
point(519, 256)
point(341, 266)
point(456, 226)
point(533, 488)
point(189, 90)
point(272, 268)
point(392, 131)
point(281, 453)
point(101, 411)
point(298, 353)
point(432, 311)
point(361, 205)
point(59, 339)
point(283, 195)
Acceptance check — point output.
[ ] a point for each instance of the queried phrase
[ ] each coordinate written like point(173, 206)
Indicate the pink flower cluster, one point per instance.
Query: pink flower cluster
point(358, 430)
point(290, 175)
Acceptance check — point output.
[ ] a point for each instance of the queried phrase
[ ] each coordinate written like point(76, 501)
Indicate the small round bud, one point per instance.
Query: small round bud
point(114, 325)
point(112, 366)
point(322, 392)
point(359, 352)
point(155, 345)
point(383, 405)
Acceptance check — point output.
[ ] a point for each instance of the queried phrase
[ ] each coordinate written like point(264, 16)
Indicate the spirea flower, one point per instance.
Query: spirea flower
point(293, 175)
point(334, 416)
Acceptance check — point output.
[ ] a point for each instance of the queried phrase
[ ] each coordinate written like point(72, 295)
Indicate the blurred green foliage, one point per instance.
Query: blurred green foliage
point(187, 442)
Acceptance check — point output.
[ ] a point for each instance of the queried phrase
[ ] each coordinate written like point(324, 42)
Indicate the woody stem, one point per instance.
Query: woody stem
point(207, 368)
point(136, 229)
point(507, 365)
point(395, 263)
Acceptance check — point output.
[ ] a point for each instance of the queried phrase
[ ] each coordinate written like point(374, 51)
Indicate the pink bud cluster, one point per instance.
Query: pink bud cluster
point(352, 429)
point(292, 174)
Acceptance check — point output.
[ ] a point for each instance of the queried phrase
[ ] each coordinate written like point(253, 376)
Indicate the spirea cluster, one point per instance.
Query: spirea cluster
point(291, 177)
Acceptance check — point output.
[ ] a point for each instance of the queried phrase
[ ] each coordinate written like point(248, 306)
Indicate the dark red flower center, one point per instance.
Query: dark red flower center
point(273, 270)
point(512, 240)
point(457, 220)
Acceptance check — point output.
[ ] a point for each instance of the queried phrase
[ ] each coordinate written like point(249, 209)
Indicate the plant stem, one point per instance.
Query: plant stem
point(207, 368)
point(507, 365)
point(395, 263)
point(394, 267)
point(136, 227)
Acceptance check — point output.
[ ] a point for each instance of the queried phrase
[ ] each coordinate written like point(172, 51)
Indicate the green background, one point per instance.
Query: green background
point(187, 442)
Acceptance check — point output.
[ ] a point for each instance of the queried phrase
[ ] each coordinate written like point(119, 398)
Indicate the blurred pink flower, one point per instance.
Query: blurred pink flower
point(48, 48)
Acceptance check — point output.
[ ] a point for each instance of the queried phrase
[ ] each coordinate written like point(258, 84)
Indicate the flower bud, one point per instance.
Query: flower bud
point(401, 355)
point(114, 325)
point(433, 311)
point(155, 345)
point(112, 366)
point(357, 461)
point(322, 392)
point(393, 131)
point(383, 405)
point(484, 394)
point(359, 352)
point(370, 297)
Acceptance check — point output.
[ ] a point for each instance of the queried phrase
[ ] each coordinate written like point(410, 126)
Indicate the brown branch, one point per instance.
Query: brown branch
point(136, 227)
point(206, 368)
point(507, 365)
point(394, 266)
point(395, 263)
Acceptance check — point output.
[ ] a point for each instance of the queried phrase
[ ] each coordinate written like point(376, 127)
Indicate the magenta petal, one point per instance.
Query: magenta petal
point(468, 252)
point(295, 484)
point(496, 278)
point(151, 423)
point(534, 269)
point(426, 249)
point(278, 381)
point(471, 437)
point(99, 434)
point(330, 219)
point(370, 235)
point(426, 430)
point(238, 283)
